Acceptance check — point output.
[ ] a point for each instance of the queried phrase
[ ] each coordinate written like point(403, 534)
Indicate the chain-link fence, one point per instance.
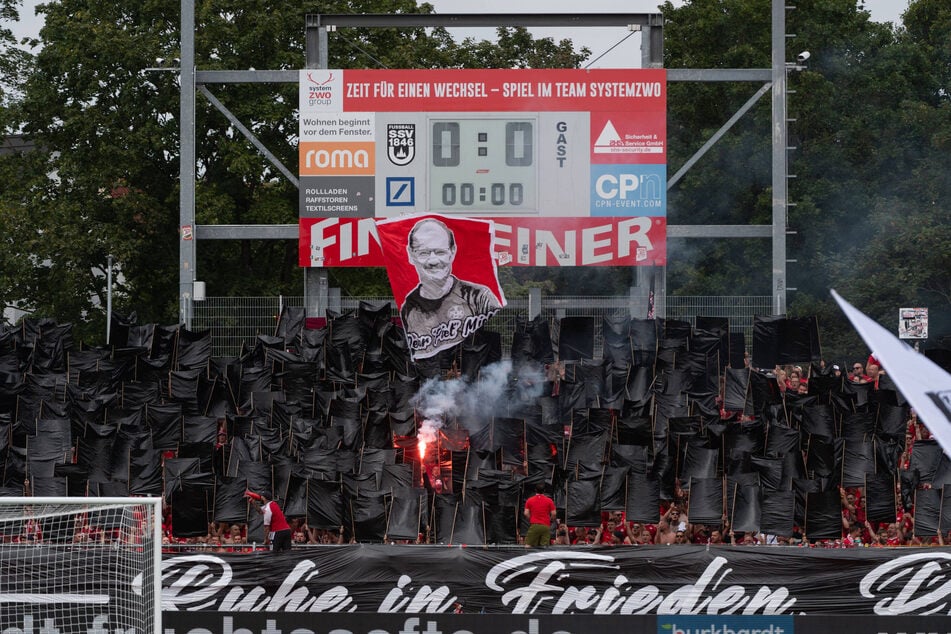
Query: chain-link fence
point(234, 321)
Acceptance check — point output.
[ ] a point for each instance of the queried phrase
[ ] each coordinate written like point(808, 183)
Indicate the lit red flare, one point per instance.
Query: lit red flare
point(422, 444)
point(427, 434)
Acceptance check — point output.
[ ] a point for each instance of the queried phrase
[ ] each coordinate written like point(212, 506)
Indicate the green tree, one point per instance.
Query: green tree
point(101, 181)
point(873, 127)
point(15, 63)
point(731, 184)
point(516, 48)
point(104, 180)
point(870, 130)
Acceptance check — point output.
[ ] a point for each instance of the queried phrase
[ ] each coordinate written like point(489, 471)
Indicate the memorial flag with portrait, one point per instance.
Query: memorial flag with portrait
point(443, 274)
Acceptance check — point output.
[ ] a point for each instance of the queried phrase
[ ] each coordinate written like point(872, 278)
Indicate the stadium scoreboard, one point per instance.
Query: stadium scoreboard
point(562, 159)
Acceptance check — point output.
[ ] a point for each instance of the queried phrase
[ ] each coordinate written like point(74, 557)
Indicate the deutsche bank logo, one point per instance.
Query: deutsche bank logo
point(400, 191)
point(628, 190)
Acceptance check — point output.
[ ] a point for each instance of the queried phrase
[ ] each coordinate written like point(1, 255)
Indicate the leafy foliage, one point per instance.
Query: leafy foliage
point(870, 127)
point(103, 110)
point(871, 131)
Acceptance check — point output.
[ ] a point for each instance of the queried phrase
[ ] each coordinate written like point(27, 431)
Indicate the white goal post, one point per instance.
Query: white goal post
point(81, 565)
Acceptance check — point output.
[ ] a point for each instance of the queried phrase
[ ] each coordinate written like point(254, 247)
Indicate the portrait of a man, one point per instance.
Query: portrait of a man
point(443, 309)
point(444, 276)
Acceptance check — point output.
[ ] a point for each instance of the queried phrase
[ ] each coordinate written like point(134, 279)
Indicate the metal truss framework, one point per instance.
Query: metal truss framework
point(317, 31)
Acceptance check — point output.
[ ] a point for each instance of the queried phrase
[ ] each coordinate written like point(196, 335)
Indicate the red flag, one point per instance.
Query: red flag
point(443, 275)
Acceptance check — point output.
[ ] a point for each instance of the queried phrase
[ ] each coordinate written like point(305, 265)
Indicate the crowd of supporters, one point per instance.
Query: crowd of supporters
point(672, 528)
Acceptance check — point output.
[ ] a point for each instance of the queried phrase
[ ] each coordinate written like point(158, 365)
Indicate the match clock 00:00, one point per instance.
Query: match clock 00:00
point(483, 165)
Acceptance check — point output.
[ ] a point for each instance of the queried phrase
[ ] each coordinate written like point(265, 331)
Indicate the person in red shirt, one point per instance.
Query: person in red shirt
point(540, 511)
point(277, 531)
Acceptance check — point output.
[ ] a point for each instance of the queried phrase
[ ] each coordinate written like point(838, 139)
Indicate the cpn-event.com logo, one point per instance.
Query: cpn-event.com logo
point(677, 624)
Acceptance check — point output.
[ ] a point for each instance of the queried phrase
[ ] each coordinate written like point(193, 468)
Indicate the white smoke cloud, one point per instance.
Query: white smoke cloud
point(497, 391)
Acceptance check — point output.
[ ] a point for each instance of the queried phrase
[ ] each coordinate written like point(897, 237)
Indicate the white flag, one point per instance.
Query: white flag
point(925, 384)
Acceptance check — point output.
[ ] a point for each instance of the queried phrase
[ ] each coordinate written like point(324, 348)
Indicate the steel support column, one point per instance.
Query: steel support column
point(186, 121)
point(780, 166)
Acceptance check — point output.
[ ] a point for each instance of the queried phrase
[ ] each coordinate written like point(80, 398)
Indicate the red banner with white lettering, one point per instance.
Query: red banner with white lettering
point(571, 164)
point(443, 275)
point(602, 241)
point(483, 90)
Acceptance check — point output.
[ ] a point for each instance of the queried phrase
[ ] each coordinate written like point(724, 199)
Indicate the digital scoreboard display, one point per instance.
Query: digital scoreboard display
point(483, 165)
point(570, 164)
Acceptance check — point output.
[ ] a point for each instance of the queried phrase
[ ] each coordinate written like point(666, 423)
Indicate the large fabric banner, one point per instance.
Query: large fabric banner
point(443, 276)
point(683, 580)
point(923, 382)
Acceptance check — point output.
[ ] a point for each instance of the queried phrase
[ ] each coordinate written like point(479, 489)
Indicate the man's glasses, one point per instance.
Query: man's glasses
point(425, 253)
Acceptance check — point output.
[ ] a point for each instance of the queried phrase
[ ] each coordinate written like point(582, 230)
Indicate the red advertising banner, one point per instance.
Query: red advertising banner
point(570, 163)
point(483, 90)
point(601, 241)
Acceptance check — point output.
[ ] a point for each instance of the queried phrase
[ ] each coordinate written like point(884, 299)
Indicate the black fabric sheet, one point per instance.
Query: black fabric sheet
point(766, 341)
point(945, 520)
point(194, 348)
point(643, 499)
point(925, 458)
point(927, 512)
point(880, 498)
point(699, 462)
point(189, 510)
point(368, 516)
point(821, 457)
point(396, 476)
point(746, 508)
point(582, 508)
point(706, 501)
point(736, 388)
point(531, 341)
point(407, 513)
point(770, 471)
point(858, 461)
point(324, 505)
point(616, 332)
point(145, 472)
point(612, 493)
point(230, 505)
point(823, 515)
point(777, 513)
point(576, 338)
point(52, 441)
point(444, 511)
point(469, 524)
point(781, 440)
point(176, 470)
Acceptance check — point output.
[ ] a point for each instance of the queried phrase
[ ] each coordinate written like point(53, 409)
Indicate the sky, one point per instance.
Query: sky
point(626, 54)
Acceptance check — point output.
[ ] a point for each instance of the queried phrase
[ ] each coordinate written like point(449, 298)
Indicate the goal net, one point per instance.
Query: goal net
point(80, 565)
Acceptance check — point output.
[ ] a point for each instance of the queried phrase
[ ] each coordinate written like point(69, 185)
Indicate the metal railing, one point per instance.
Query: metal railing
point(236, 321)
